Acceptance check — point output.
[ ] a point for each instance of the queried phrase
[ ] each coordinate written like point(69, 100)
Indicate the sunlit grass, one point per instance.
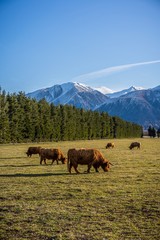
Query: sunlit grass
point(46, 202)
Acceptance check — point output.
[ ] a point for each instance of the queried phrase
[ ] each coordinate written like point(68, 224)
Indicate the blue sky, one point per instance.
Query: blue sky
point(112, 43)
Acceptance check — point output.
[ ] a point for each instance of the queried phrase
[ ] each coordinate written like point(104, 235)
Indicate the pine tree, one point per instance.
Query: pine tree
point(4, 120)
point(104, 125)
point(158, 132)
point(151, 132)
point(14, 118)
point(56, 122)
point(45, 120)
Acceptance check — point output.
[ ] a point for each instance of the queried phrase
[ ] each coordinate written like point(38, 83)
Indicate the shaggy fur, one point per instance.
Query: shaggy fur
point(90, 157)
point(52, 154)
point(110, 145)
point(135, 144)
point(33, 150)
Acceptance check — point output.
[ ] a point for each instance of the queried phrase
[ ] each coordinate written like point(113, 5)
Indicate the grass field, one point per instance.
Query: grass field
point(47, 203)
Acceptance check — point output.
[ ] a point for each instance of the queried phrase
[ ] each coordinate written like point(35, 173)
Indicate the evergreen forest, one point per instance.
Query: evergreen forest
point(26, 120)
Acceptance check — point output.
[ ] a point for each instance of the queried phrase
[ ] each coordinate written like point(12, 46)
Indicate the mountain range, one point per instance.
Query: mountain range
point(141, 106)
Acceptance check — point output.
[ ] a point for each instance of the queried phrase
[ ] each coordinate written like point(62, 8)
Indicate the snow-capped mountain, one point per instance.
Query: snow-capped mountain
point(70, 93)
point(133, 104)
point(140, 106)
point(123, 92)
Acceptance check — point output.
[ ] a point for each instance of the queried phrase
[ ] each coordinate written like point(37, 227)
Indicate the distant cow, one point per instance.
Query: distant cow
point(52, 154)
point(33, 150)
point(135, 144)
point(90, 157)
point(110, 145)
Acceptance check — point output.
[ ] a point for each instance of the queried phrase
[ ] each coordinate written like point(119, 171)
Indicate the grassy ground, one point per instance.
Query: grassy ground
point(47, 203)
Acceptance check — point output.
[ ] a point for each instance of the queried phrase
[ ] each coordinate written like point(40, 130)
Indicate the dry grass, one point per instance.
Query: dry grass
point(46, 202)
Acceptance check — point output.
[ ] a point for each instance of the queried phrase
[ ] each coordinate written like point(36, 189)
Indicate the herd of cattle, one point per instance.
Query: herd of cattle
point(83, 156)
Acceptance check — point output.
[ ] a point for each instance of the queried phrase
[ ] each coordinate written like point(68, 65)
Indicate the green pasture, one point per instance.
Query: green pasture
point(39, 202)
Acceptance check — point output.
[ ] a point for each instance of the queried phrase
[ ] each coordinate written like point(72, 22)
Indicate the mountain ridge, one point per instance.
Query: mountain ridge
point(76, 94)
point(138, 105)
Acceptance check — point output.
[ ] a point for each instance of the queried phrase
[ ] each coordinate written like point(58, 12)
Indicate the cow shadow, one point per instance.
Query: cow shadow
point(44, 174)
point(34, 174)
point(19, 166)
point(6, 158)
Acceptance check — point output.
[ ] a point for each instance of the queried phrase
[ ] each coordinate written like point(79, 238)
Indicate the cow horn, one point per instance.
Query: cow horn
point(111, 163)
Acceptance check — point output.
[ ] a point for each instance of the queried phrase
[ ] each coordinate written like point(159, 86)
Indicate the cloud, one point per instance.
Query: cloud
point(107, 71)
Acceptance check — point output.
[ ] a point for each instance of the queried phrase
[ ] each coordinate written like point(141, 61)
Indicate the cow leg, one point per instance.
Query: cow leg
point(70, 166)
point(57, 162)
point(96, 169)
point(75, 168)
point(89, 167)
point(63, 161)
point(52, 161)
point(41, 160)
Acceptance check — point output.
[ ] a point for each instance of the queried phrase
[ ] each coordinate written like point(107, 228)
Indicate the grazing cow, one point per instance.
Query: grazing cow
point(110, 145)
point(33, 150)
point(52, 154)
point(90, 157)
point(135, 144)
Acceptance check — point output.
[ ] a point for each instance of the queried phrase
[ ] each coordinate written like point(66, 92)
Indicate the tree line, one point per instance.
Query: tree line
point(27, 120)
point(152, 132)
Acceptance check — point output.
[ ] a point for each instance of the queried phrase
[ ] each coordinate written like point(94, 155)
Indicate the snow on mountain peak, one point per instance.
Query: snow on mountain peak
point(82, 87)
point(104, 90)
point(124, 92)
